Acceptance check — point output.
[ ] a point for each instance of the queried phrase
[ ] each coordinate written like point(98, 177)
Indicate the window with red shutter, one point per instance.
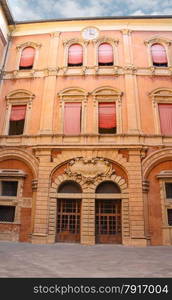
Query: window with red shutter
point(27, 58)
point(72, 118)
point(105, 55)
point(75, 55)
point(107, 117)
point(165, 114)
point(17, 119)
point(159, 56)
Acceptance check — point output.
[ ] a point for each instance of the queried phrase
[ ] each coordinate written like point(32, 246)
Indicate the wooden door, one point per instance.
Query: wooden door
point(68, 220)
point(108, 221)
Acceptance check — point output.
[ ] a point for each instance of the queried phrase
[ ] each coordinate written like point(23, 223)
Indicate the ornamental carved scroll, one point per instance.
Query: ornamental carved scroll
point(89, 170)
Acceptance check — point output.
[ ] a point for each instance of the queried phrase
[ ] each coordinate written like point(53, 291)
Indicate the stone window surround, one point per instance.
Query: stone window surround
point(13, 175)
point(67, 45)
point(73, 95)
point(165, 177)
point(164, 42)
point(160, 95)
point(21, 47)
point(114, 44)
point(18, 97)
point(108, 94)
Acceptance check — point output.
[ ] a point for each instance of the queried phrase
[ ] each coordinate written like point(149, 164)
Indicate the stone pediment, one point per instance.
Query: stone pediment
point(89, 170)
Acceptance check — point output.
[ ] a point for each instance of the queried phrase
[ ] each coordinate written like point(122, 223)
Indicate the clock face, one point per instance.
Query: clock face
point(90, 33)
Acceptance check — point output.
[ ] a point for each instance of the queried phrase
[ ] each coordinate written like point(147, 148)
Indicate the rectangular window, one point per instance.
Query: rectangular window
point(165, 114)
point(17, 119)
point(107, 117)
point(7, 213)
point(169, 213)
point(168, 189)
point(72, 118)
point(8, 188)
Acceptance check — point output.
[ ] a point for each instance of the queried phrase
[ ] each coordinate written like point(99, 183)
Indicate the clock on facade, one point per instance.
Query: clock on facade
point(90, 33)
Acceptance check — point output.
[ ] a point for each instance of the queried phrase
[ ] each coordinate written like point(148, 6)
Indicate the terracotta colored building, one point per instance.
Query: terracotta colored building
point(86, 130)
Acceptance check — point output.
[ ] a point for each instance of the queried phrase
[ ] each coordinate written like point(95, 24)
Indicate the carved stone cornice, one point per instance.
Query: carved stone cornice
point(89, 170)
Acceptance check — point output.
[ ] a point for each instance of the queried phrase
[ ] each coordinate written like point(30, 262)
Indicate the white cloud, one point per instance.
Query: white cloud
point(49, 9)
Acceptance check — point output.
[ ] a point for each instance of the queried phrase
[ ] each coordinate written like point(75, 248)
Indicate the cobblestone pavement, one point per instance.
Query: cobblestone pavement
point(75, 260)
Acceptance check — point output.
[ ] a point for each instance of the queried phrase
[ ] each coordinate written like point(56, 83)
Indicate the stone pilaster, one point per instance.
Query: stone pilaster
point(136, 201)
point(49, 87)
point(41, 206)
point(131, 89)
point(88, 220)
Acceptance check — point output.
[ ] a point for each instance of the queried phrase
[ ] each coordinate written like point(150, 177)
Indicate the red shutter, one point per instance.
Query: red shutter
point(72, 118)
point(107, 115)
point(18, 112)
point(27, 57)
point(165, 113)
point(105, 53)
point(158, 54)
point(75, 54)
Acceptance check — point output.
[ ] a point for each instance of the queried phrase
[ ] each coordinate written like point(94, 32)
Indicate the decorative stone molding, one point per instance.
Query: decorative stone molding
point(68, 43)
point(34, 184)
point(154, 159)
point(130, 69)
point(6, 173)
point(104, 39)
point(145, 186)
point(20, 94)
point(73, 94)
point(126, 31)
point(158, 39)
point(55, 34)
point(89, 170)
point(28, 44)
point(21, 155)
point(167, 174)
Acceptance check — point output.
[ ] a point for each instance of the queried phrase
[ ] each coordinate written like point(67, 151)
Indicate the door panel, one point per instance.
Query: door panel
point(108, 221)
point(68, 220)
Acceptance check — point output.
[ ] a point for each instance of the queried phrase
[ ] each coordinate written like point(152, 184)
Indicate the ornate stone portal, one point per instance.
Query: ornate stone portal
point(88, 173)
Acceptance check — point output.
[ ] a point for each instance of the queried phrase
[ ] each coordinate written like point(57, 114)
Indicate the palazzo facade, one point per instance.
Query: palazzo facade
point(86, 130)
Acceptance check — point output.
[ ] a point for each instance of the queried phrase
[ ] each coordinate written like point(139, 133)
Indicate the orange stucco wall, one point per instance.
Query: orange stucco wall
point(154, 203)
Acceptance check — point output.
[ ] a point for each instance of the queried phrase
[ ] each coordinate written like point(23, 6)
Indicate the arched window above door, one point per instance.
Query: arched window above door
point(107, 187)
point(69, 186)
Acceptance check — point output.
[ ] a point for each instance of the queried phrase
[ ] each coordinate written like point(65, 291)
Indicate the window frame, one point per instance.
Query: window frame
point(19, 97)
point(74, 95)
point(159, 96)
point(20, 48)
point(109, 95)
point(13, 175)
point(66, 45)
point(114, 43)
point(166, 43)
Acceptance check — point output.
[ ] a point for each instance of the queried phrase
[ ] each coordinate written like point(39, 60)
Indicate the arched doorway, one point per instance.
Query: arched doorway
point(68, 212)
point(108, 213)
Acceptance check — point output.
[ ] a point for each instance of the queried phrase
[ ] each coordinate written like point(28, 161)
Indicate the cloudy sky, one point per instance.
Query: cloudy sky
point(54, 9)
